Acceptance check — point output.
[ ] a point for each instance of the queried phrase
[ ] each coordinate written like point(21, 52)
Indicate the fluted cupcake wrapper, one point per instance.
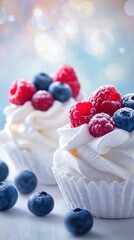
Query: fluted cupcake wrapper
point(18, 160)
point(104, 200)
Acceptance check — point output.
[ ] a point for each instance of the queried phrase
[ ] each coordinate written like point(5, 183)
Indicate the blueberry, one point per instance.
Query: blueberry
point(78, 221)
point(128, 100)
point(26, 181)
point(124, 119)
point(40, 203)
point(42, 81)
point(60, 91)
point(3, 171)
point(8, 196)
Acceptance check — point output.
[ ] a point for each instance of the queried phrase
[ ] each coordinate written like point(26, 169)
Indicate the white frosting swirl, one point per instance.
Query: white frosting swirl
point(33, 130)
point(110, 157)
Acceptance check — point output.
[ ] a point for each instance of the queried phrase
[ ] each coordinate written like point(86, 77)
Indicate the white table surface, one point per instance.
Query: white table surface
point(19, 224)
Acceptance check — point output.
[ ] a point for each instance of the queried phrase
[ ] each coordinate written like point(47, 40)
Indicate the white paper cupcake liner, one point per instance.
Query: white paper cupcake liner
point(18, 160)
point(104, 200)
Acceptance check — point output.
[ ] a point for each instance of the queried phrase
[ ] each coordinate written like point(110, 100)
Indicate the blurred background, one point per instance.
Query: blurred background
point(95, 37)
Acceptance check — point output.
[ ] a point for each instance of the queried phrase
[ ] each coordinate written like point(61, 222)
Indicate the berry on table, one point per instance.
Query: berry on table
point(40, 203)
point(128, 100)
point(81, 113)
point(60, 91)
point(124, 118)
point(8, 196)
point(42, 100)
point(26, 181)
point(101, 124)
point(106, 99)
point(78, 221)
point(42, 81)
point(21, 91)
point(4, 171)
point(66, 74)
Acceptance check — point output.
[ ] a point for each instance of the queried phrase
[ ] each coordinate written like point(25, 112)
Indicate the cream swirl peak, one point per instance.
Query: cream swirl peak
point(109, 157)
point(31, 129)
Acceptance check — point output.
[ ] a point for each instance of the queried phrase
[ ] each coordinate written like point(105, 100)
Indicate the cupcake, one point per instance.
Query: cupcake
point(36, 110)
point(94, 164)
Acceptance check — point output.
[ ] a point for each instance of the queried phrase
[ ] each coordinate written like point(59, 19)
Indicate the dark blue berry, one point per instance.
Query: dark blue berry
point(4, 171)
point(78, 221)
point(128, 100)
point(26, 181)
point(8, 196)
point(124, 119)
point(42, 81)
point(60, 91)
point(40, 203)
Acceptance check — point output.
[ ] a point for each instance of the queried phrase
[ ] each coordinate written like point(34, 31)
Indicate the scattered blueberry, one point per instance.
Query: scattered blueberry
point(78, 221)
point(60, 91)
point(3, 171)
point(124, 119)
point(40, 203)
point(128, 100)
point(42, 81)
point(26, 181)
point(8, 196)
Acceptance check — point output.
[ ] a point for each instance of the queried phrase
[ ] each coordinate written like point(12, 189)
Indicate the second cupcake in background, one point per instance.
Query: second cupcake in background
point(35, 112)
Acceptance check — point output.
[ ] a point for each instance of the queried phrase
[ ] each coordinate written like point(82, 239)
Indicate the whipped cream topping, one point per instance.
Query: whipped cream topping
point(33, 130)
point(110, 157)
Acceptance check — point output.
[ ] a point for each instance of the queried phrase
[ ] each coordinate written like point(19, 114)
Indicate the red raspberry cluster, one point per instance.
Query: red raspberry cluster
point(97, 112)
point(81, 113)
point(22, 91)
point(66, 74)
point(106, 99)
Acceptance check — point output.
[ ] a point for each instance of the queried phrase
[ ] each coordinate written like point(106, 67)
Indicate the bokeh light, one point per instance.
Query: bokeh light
point(11, 18)
point(114, 72)
point(87, 8)
point(71, 27)
point(48, 47)
point(75, 3)
point(121, 50)
point(95, 37)
point(3, 15)
point(41, 20)
point(99, 42)
point(68, 10)
point(129, 7)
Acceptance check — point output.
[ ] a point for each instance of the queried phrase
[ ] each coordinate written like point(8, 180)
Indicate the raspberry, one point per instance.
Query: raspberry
point(66, 74)
point(101, 124)
point(106, 99)
point(21, 91)
point(81, 113)
point(42, 100)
